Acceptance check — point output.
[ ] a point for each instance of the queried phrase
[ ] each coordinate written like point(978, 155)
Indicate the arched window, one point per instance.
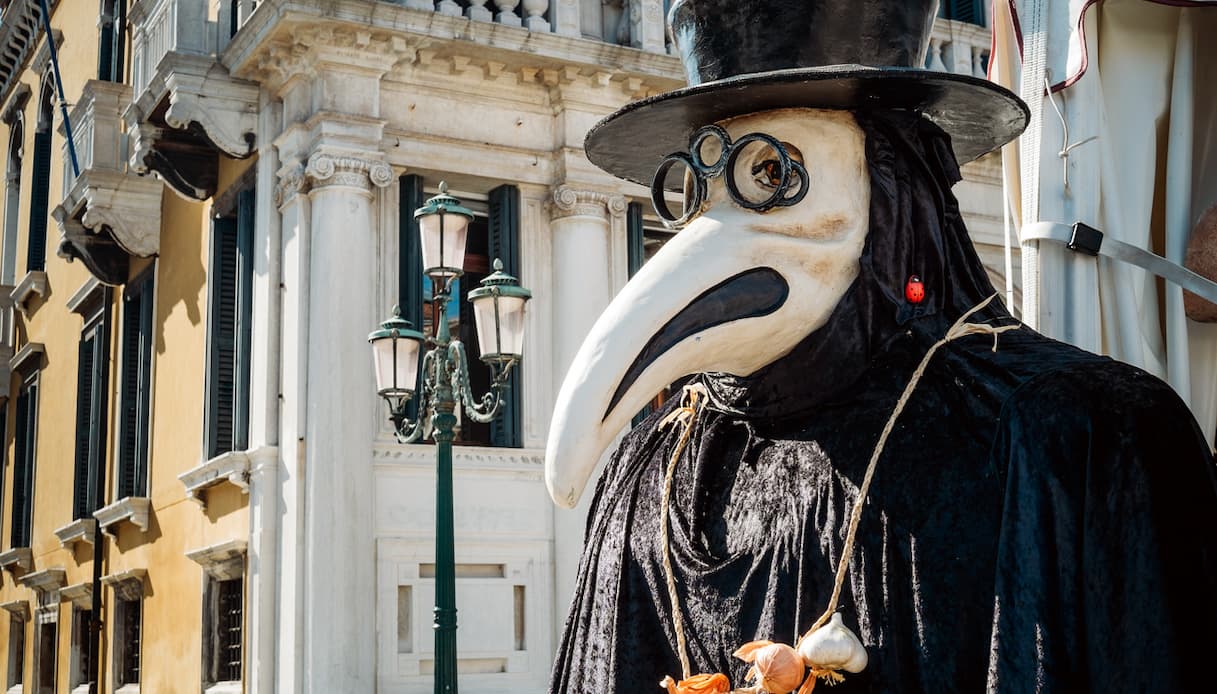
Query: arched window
point(40, 187)
point(12, 200)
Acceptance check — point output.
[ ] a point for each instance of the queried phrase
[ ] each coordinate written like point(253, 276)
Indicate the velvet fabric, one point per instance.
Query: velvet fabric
point(1042, 519)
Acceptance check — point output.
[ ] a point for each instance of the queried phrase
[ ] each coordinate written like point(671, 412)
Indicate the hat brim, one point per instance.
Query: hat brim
point(980, 116)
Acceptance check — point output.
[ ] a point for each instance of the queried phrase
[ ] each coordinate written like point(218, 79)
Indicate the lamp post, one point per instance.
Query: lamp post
point(498, 310)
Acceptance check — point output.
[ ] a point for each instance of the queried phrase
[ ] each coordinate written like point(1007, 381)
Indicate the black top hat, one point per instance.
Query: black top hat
point(745, 56)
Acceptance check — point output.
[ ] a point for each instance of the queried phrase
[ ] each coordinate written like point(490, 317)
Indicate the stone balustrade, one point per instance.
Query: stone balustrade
point(959, 47)
point(163, 26)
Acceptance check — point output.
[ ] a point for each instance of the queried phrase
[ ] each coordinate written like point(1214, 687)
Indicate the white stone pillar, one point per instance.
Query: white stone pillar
point(264, 411)
point(565, 16)
point(295, 214)
point(339, 566)
point(647, 25)
point(581, 226)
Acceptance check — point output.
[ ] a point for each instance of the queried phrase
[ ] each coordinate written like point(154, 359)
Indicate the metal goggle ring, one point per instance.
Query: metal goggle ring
point(791, 173)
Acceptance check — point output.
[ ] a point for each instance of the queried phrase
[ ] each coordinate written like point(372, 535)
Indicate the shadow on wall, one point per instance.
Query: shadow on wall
point(181, 277)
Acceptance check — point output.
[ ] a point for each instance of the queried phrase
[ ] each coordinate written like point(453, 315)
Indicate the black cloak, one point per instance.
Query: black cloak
point(1042, 519)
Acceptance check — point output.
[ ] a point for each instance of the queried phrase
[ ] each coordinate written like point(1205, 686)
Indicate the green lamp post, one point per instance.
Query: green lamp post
point(498, 310)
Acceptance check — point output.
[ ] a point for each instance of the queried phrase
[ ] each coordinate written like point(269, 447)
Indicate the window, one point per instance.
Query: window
point(79, 669)
point(135, 387)
point(16, 650)
point(12, 200)
point(225, 625)
point(971, 11)
point(111, 44)
point(644, 238)
point(46, 657)
point(91, 415)
point(493, 233)
point(127, 625)
point(40, 191)
point(25, 435)
point(230, 312)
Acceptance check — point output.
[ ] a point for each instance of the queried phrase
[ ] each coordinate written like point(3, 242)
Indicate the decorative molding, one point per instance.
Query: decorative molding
point(34, 282)
point(231, 467)
point(42, 59)
point(133, 509)
point(571, 202)
point(79, 594)
point(86, 296)
point(18, 608)
point(46, 581)
point(292, 182)
point(16, 103)
point(221, 561)
point(81, 530)
point(127, 585)
point(19, 557)
point(28, 359)
point(326, 169)
point(530, 460)
point(224, 108)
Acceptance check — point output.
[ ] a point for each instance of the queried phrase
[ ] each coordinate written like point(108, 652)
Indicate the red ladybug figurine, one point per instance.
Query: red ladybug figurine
point(914, 290)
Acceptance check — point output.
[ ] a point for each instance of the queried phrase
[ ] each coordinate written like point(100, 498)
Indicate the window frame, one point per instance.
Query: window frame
point(214, 645)
point(40, 185)
point(16, 651)
point(29, 391)
point(142, 289)
point(122, 649)
point(96, 329)
point(240, 222)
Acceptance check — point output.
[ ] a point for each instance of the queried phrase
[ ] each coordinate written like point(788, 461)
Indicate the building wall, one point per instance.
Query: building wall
point(173, 585)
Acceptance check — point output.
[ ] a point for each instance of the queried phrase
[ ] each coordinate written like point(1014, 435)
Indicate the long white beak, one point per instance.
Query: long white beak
point(721, 296)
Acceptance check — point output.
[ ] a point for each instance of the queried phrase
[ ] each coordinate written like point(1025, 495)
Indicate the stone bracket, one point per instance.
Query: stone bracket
point(82, 530)
point(18, 608)
point(232, 467)
point(221, 561)
point(45, 581)
point(133, 509)
point(127, 585)
point(79, 594)
point(17, 558)
point(34, 282)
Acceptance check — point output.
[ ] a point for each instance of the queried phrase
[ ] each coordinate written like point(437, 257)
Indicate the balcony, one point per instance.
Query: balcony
point(187, 109)
point(108, 212)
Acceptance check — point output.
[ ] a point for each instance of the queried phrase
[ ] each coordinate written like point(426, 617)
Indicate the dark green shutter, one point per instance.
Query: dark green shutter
point(105, 49)
point(135, 374)
point(231, 310)
point(971, 11)
point(410, 259)
point(221, 362)
point(35, 258)
point(23, 469)
point(84, 412)
point(244, 317)
point(504, 225)
point(635, 238)
point(635, 257)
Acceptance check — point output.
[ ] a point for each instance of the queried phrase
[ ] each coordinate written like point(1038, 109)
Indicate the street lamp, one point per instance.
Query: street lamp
point(498, 311)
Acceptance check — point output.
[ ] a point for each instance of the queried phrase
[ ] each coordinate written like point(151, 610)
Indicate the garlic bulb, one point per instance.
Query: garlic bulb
point(833, 647)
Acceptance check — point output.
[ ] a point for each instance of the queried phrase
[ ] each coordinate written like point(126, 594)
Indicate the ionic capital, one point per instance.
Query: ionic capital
point(571, 202)
point(326, 169)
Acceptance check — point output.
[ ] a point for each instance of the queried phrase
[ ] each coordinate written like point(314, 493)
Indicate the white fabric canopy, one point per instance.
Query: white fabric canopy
point(1127, 143)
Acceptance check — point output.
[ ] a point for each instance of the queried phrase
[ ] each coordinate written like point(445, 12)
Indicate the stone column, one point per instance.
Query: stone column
point(264, 410)
point(339, 564)
point(581, 228)
point(295, 212)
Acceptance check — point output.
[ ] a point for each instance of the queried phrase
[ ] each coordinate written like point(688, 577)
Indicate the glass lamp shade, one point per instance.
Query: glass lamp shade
point(395, 350)
point(499, 310)
point(443, 224)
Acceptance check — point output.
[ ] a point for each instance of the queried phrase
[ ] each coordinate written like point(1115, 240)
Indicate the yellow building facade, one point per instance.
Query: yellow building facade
point(108, 373)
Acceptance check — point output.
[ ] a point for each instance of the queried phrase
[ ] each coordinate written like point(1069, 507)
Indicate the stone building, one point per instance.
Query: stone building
point(193, 448)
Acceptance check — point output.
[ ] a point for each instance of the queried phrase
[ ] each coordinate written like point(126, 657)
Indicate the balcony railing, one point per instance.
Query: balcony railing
point(959, 47)
point(161, 26)
point(97, 131)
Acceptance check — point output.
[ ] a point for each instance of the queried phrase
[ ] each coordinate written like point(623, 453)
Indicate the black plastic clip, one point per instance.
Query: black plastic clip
point(1085, 239)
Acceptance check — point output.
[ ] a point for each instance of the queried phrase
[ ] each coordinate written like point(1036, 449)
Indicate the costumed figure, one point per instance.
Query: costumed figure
point(875, 478)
